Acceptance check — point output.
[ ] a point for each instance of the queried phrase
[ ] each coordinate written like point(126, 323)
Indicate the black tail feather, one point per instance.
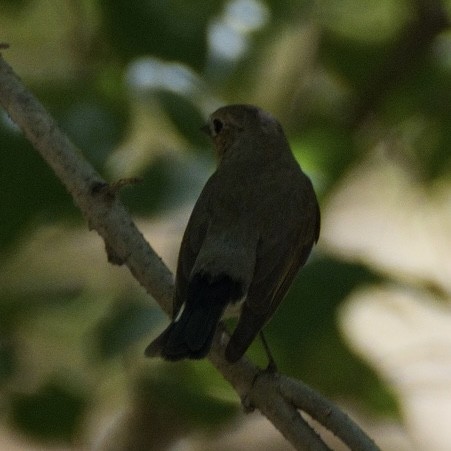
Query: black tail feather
point(191, 335)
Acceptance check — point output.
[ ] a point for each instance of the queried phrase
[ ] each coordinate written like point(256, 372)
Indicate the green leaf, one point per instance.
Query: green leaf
point(185, 116)
point(54, 412)
point(28, 188)
point(126, 324)
point(306, 342)
point(172, 30)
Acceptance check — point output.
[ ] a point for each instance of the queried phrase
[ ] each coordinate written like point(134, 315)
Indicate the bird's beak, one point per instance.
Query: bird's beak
point(206, 129)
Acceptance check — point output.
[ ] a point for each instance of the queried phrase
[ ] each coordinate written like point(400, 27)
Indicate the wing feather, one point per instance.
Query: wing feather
point(277, 265)
point(192, 241)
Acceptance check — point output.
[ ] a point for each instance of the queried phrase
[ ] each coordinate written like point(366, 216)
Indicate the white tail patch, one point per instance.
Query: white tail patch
point(233, 309)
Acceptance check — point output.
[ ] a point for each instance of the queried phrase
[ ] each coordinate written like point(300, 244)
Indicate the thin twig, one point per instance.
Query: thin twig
point(326, 413)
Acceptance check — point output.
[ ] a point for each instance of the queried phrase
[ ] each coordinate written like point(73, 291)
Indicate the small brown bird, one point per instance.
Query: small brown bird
point(251, 229)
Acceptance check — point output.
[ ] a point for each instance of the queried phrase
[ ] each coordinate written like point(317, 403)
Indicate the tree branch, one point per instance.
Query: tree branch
point(277, 397)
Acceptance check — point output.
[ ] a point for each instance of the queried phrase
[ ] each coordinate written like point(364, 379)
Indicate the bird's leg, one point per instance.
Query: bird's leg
point(272, 367)
point(270, 370)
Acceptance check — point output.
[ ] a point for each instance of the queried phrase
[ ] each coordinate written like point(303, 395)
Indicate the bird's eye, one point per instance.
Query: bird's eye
point(217, 126)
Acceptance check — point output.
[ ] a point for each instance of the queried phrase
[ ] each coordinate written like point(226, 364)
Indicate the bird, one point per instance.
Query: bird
point(251, 230)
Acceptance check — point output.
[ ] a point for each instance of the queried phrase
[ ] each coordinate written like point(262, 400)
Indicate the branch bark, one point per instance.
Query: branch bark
point(279, 398)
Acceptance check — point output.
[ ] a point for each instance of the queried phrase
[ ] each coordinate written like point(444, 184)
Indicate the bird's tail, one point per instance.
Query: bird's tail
point(190, 336)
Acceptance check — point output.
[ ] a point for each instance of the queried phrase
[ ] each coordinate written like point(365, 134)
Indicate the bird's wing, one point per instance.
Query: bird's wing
point(193, 238)
point(278, 261)
point(219, 238)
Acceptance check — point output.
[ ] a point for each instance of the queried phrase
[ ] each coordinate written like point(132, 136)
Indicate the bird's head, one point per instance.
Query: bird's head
point(233, 124)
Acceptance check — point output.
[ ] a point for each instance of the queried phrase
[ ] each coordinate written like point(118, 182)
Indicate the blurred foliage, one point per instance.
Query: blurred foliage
point(185, 116)
point(189, 399)
point(174, 30)
point(126, 323)
point(29, 189)
point(13, 5)
point(310, 347)
point(53, 412)
point(131, 84)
